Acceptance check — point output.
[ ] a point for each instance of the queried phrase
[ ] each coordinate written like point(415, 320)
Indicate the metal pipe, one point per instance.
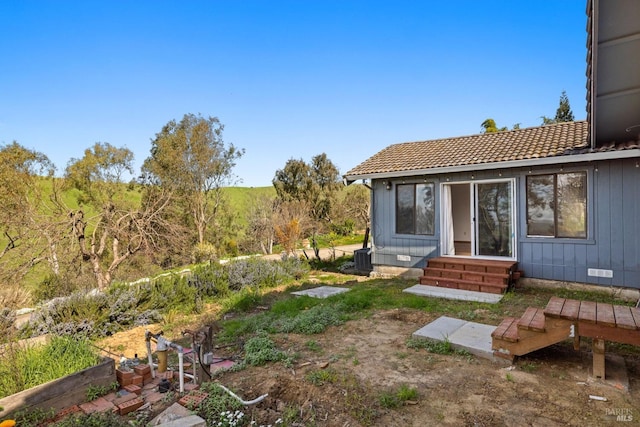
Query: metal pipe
point(153, 371)
point(162, 345)
point(181, 369)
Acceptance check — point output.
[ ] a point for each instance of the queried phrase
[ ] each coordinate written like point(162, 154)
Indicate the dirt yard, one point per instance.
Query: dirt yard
point(364, 359)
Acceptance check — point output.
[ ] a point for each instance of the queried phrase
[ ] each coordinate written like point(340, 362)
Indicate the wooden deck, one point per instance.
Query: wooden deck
point(567, 318)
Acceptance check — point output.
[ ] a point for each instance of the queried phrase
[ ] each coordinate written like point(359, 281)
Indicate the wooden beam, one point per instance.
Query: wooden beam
point(598, 358)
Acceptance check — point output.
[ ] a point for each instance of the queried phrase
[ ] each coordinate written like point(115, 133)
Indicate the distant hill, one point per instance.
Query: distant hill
point(241, 199)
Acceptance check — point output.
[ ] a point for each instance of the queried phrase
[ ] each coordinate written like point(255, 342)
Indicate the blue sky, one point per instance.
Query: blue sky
point(288, 79)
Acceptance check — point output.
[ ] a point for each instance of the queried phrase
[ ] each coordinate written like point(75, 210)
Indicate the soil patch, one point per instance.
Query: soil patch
point(365, 360)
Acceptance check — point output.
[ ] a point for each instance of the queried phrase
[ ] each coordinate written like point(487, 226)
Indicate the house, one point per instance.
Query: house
point(561, 201)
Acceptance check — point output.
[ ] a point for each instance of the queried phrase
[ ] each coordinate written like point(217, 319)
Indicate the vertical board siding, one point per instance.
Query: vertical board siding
point(388, 245)
point(631, 204)
point(613, 241)
point(613, 217)
point(616, 209)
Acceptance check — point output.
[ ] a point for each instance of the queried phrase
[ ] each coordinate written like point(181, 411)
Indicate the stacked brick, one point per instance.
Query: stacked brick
point(136, 388)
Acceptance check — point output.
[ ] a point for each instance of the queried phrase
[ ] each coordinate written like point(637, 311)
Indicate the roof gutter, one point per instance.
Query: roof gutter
point(555, 160)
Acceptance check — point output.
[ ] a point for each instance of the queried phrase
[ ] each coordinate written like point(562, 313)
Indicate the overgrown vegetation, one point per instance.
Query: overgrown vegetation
point(98, 314)
point(23, 366)
point(245, 288)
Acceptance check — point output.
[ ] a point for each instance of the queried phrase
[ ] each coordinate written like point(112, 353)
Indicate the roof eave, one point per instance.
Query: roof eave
point(554, 160)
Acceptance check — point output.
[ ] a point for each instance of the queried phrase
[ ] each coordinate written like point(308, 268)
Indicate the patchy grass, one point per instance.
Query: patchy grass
point(392, 399)
point(23, 367)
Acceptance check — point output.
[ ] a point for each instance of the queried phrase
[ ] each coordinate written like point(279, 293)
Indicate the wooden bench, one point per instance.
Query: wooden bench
point(599, 321)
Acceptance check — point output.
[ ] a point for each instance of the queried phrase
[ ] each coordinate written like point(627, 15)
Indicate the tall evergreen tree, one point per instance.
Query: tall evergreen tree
point(564, 113)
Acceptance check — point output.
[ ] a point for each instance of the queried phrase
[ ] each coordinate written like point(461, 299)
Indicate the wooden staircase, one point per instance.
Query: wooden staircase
point(567, 318)
point(470, 274)
point(533, 331)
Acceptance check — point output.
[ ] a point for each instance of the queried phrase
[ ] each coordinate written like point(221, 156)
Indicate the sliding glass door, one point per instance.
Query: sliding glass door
point(494, 219)
point(478, 219)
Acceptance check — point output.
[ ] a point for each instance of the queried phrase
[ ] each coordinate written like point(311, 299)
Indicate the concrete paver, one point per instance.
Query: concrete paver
point(321, 291)
point(457, 294)
point(470, 336)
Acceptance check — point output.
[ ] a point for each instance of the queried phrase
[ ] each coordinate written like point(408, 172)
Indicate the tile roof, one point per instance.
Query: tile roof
point(522, 144)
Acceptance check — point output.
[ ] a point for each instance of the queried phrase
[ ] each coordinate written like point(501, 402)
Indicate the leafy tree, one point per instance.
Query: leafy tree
point(30, 222)
point(316, 184)
point(190, 158)
point(19, 168)
point(563, 113)
point(353, 204)
point(120, 228)
point(489, 126)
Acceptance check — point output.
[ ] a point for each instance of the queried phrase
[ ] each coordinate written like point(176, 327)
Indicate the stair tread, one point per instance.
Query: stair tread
point(507, 330)
point(532, 320)
point(554, 307)
point(472, 261)
point(480, 273)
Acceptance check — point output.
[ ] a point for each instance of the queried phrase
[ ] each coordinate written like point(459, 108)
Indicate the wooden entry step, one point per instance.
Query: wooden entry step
point(532, 331)
point(470, 274)
point(567, 318)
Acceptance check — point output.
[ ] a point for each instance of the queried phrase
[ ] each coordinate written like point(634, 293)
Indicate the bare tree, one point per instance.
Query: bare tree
point(261, 218)
point(119, 228)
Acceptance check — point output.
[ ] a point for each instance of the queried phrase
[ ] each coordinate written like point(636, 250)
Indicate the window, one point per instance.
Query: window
point(415, 209)
point(557, 205)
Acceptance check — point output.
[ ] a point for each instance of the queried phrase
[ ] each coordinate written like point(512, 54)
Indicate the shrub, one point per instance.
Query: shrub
point(53, 286)
point(260, 350)
point(216, 280)
point(7, 319)
point(217, 404)
point(75, 314)
point(210, 280)
point(312, 321)
point(344, 228)
point(203, 252)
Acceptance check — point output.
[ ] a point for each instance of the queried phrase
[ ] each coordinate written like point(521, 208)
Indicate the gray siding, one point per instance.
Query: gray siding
point(613, 217)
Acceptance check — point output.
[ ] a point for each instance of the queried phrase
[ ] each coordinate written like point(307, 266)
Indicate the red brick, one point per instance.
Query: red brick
point(193, 399)
point(66, 412)
point(134, 389)
point(137, 380)
point(110, 397)
point(120, 374)
point(102, 405)
point(153, 397)
point(125, 398)
point(125, 382)
point(88, 408)
point(142, 370)
point(130, 406)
